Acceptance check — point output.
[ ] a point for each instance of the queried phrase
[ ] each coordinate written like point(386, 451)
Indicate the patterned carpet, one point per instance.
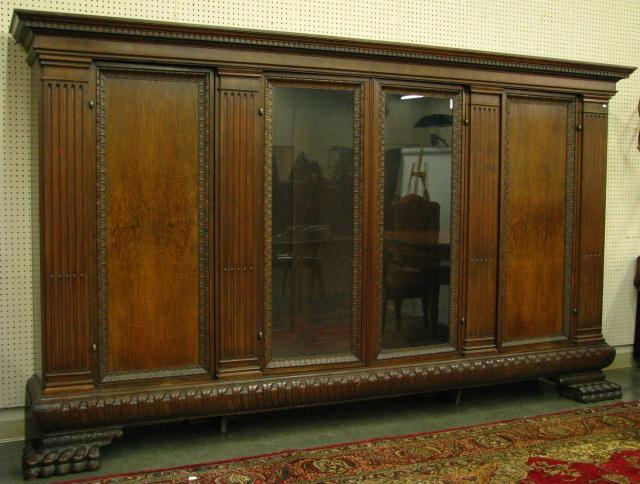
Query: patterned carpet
point(600, 444)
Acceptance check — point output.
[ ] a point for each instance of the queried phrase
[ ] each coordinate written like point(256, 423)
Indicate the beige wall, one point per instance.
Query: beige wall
point(596, 30)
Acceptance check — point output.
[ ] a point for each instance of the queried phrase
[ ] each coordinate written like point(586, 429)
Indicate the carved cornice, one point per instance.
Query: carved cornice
point(25, 24)
point(115, 408)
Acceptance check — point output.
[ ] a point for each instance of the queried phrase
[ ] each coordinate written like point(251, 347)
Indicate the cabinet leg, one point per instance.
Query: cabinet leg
point(458, 396)
point(65, 453)
point(587, 387)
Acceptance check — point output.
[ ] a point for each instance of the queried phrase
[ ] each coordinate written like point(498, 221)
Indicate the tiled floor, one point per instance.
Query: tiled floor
point(186, 443)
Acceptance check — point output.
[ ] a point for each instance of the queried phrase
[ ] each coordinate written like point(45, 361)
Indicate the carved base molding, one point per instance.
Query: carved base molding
point(587, 387)
point(115, 408)
point(65, 453)
point(57, 449)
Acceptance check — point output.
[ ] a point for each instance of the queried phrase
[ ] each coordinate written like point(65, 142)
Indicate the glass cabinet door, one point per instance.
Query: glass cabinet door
point(420, 159)
point(312, 213)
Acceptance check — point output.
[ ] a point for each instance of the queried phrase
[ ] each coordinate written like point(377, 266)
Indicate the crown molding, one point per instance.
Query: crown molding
point(26, 24)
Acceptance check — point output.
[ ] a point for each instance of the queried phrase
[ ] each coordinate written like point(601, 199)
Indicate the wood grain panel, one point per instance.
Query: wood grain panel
point(239, 187)
point(152, 221)
point(64, 233)
point(484, 166)
point(592, 210)
point(536, 218)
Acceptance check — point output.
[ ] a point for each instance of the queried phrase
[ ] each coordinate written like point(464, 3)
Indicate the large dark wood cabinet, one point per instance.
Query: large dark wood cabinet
point(235, 221)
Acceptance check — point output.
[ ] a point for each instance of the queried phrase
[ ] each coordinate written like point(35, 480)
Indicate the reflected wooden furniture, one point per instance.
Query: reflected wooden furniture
point(411, 275)
point(405, 282)
point(153, 144)
point(413, 212)
point(295, 254)
point(426, 250)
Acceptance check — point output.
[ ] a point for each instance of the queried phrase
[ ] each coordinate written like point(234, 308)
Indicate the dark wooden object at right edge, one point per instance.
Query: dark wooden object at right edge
point(636, 342)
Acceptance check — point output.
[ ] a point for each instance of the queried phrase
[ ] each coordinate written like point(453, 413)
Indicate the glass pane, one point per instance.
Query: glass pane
point(417, 216)
point(312, 222)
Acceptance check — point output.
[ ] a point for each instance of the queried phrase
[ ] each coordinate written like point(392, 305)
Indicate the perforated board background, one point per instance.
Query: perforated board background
point(596, 30)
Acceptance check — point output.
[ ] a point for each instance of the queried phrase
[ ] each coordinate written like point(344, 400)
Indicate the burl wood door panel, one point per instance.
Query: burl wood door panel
point(537, 213)
point(152, 221)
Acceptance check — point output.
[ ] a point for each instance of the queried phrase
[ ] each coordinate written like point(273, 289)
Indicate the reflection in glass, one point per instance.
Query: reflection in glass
point(417, 216)
point(312, 221)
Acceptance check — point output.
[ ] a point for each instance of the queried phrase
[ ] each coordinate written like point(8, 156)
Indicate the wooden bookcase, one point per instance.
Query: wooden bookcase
point(235, 221)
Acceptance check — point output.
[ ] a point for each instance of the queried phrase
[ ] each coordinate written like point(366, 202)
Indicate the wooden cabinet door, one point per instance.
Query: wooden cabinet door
point(536, 240)
point(313, 223)
point(417, 243)
point(153, 226)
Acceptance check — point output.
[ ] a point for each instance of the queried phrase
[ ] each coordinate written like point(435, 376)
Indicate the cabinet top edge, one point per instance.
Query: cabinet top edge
point(25, 24)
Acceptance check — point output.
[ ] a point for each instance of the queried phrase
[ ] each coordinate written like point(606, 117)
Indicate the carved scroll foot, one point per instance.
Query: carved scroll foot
point(65, 453)
point(587, 387)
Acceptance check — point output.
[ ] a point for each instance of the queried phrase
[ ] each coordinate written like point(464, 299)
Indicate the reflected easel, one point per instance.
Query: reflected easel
point(419, 174)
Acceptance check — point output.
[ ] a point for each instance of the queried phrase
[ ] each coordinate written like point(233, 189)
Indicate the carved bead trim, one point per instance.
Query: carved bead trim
point(268, 220)
point(126, 375)
point(542, 339)
point(456, 196)
point(569, 212)
point(356, 273)
point(220, 398)
point(312, 361)
point(381, 305)
point(503, 249)
point(434, 349)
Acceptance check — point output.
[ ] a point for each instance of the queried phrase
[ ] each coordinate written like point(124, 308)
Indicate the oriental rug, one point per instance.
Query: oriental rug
point(590, 445)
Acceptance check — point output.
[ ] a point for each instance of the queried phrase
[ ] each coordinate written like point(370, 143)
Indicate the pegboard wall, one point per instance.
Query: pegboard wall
point(603, 31)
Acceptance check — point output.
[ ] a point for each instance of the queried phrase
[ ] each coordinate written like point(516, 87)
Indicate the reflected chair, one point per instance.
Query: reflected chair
point(412, 276)
point(311, 259)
